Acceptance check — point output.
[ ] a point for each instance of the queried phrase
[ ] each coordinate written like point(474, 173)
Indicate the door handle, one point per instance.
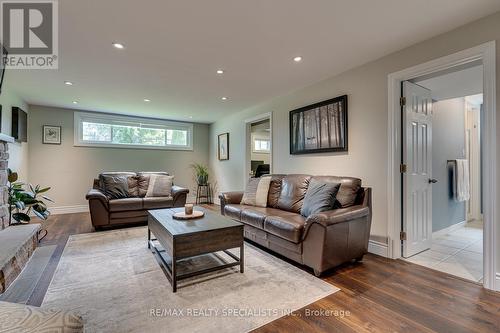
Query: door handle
point(432, 181)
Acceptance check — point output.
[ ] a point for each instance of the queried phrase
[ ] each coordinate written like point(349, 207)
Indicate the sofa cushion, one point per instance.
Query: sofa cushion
point(133, 186)
point(158, 202)
point(256, 192)
point(348, 192)
point(320, 196)
point(160, 186)
point(274, 191)
point(255, 216)
point(114, 186)
point(120, 205)
point(234, 211)
point(293, 190)
point(143, 181)
point(288, 226)
point(128, 214)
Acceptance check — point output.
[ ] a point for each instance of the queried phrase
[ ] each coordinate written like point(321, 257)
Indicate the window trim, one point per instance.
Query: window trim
point(80, 117)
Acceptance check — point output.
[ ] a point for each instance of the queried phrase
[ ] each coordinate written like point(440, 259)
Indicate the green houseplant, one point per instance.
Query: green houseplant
point(201, 173)
point(25, 199)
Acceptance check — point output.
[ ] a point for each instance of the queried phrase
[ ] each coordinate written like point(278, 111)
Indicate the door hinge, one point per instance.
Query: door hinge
point(402, 168)
point(402, 235)
point(402, 101)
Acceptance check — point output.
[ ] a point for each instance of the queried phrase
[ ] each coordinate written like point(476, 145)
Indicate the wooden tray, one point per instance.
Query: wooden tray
point(182, 215)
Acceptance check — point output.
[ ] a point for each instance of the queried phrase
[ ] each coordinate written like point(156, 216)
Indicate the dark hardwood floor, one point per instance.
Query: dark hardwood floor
point(377, 295)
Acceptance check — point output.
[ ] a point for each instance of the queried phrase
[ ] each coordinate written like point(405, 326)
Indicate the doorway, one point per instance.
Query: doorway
point(442, 221)
point(258, 146)
point(485, 53)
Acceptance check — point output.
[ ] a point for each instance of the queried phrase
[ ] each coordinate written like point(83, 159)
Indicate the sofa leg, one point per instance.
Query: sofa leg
point(358, 259)
point(317, 273)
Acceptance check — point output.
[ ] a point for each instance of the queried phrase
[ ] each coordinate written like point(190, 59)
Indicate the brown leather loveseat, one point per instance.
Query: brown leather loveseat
point(320, 241)
point(132, 209)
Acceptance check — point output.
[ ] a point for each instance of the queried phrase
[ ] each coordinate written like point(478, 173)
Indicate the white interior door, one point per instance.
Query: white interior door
point(417, 160)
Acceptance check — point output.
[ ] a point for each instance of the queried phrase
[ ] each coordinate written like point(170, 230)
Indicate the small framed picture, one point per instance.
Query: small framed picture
point(223, 145)
point(51, 135)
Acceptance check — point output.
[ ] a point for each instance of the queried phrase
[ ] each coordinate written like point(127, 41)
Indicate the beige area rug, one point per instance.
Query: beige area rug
point(115, 283)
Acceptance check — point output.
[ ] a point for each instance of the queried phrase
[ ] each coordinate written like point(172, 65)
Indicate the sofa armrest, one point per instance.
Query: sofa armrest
point(180, 195)
point(341, 215)
point(95, 194)
point(229, 198)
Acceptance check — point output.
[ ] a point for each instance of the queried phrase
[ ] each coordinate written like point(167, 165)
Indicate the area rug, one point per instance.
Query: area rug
point(115, 283)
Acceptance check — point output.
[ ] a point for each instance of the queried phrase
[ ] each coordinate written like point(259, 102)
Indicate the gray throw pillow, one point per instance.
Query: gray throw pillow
point(115, 187)
point(160, 186)
point(320, 196)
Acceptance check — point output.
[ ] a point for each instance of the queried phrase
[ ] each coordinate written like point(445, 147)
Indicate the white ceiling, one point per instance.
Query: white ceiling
point(461, 83)
point(173, 49)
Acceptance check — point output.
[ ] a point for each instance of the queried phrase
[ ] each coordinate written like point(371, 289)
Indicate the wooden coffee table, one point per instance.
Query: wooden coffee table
point(183, 239)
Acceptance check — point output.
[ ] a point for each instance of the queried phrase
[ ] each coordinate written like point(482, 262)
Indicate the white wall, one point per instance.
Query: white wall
point(70, 170)
point(18, 151)
point(366, 87)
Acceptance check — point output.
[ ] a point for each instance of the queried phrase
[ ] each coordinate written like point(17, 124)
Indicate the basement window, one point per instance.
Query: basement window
point(103, 130)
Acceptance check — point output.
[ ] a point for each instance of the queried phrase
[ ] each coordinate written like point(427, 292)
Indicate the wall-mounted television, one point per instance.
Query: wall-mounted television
point(19, 124)
point(3, 57)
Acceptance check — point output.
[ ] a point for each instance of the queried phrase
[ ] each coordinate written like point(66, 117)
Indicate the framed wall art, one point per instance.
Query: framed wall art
point(223, 146)
point(51, 135)
point(320, 127)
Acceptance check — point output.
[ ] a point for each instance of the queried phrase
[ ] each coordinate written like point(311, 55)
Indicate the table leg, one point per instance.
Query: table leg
point(242, 258)
point(149, 238)
point(174, 274)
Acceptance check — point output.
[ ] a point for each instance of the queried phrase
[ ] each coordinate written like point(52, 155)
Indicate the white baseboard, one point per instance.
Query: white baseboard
point(449, 229)
point(69, 209)
point(378, 248)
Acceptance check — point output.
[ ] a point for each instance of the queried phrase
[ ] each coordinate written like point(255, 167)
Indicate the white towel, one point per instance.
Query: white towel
point(461, 187)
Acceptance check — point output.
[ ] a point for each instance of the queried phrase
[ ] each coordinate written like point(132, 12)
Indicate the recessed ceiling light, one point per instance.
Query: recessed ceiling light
point(147, 100)
point(224, 98)
point(68, 83)
point(220, 71)
point(75, 102)
point(190, 117)
point(119, 46)
point(297, 59)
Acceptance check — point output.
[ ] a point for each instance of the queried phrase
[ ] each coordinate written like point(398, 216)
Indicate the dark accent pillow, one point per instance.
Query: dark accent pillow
point(320, 196)
point(114, 186)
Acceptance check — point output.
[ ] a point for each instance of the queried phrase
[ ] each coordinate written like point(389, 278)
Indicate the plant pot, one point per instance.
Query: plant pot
point(202, 179)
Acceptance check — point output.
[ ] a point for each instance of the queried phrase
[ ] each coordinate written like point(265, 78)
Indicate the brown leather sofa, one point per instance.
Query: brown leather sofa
point(320, 241)
point(106, 212)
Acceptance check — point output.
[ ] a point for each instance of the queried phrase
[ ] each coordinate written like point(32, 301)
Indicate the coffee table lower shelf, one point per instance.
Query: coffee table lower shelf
point(170, 264)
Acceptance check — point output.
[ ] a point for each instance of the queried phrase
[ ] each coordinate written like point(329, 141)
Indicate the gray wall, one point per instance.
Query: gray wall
point(18, 152)
point(366, 87)
point(448, 143)
point(70, 170)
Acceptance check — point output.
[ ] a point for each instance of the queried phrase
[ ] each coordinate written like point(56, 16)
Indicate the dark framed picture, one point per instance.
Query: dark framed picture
point(223, 146)
point(3, 57)
point(51, 135)
point(320, 127)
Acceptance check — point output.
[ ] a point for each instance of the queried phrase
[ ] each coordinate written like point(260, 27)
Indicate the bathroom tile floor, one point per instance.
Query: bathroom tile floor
point(459, 252)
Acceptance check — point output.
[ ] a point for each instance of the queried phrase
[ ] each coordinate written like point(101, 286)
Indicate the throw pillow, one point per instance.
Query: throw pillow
point(319, 197)
point(160, 186)
point(256, 192)
point(115, 186)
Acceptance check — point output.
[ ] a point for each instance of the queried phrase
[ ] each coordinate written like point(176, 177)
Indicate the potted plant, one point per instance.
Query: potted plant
point(201, 173)
point(25, 200)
